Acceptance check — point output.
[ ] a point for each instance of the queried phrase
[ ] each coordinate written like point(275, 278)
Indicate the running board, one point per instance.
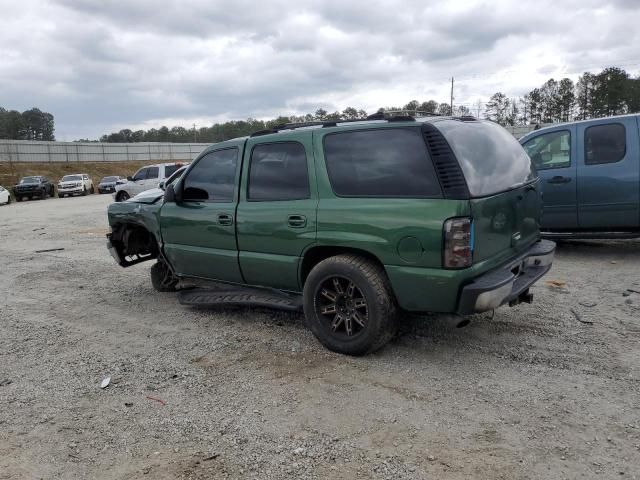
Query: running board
point(253, 297)
point(590, 235)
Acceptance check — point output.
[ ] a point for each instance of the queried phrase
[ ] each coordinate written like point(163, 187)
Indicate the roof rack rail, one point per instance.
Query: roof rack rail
point(333, 123)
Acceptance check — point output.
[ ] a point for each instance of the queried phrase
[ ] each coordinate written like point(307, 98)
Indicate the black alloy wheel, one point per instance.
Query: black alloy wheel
point(341, 303)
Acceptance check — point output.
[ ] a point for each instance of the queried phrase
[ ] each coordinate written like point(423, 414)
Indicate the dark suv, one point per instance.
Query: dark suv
point(356, 220)
point(33, 187)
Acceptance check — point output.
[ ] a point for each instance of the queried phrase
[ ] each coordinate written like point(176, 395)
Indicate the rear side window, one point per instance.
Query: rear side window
point(390, 162)
point(605, 144)
point(278, 171)
point(153, 172)
point(551, 150)
point(492, 160)
point(170, 169)
point(212, 178)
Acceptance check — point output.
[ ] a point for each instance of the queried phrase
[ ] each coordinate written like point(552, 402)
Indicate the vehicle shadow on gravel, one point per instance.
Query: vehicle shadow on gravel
point(597, 248)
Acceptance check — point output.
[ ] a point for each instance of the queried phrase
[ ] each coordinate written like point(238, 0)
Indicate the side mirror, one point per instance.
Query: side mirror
point(130, 178)
point(161, 185)
point(172, 195)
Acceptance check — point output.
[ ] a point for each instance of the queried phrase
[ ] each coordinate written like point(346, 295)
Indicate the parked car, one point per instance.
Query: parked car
point(5, 196)
point(76, 184)
point(145, 179)
point(155, 194)
point(108, 184)
point(590, 174)
point(31, 187)
point(355, 221)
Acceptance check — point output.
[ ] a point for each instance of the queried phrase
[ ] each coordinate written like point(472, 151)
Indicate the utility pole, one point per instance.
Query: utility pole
point(451, 112)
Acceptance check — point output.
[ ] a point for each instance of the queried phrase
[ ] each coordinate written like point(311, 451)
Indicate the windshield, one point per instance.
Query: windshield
point(71, 178)
point(109, 180)
point(491, 158)
point(30, 180)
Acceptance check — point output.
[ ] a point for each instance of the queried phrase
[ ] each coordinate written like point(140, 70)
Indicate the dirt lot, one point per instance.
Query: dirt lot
point(528, 393)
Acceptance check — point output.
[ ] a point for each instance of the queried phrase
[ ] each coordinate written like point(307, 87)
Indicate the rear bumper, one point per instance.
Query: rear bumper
point(508, 283)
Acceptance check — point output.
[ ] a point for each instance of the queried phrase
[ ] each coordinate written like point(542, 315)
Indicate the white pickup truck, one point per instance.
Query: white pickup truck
point(76, 184)
point(145, 179)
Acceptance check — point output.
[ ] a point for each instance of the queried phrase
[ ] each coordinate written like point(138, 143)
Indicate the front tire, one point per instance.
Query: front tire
point(162, 278)
point(349, 305)
point(122, 196)
point(84, 191)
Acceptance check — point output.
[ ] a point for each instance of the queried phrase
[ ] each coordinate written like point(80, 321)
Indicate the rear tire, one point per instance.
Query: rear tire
point(122, 196)
point(349, 305)
point(162, 278)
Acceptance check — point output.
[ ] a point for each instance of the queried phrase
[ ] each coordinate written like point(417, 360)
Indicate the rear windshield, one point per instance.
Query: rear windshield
point(491, 158)
point(109, 179)
point(71, 178)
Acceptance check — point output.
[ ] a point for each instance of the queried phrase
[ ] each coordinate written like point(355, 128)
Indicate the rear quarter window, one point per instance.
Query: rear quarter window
point(491, 159)
point(389, 162)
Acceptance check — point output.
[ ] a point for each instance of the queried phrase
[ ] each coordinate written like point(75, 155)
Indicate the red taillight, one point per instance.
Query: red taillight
point(458, 243)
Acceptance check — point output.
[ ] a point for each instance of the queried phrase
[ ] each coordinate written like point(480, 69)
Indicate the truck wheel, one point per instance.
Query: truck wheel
point(92, 191)
point(349, 305)
point(122, 196)
point(84, 191)
point(162, 278)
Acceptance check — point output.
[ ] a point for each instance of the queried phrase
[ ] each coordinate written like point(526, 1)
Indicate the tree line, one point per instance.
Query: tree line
point(613, 91)
point(32, 124)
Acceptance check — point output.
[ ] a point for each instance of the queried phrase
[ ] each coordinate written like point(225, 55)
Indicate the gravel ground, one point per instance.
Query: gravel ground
point(530, 392)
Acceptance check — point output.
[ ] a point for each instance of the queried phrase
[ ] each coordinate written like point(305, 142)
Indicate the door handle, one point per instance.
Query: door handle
point(297, 221)
point(559, 179)
point(225, 219)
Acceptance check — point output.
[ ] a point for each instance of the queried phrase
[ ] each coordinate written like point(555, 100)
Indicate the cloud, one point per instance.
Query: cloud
point(102, 66)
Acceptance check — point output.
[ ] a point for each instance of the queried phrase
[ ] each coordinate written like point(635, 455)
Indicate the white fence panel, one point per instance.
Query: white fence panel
point(19, 151)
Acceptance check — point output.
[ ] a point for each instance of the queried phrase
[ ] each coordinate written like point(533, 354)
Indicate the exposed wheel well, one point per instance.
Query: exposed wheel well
point(316, 254)
point(134, 243)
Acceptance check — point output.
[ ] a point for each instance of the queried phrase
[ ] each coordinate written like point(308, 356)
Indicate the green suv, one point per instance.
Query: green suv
point(353, 222)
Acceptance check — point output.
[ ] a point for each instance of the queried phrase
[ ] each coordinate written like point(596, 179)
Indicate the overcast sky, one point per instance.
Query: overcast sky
point(99, 66)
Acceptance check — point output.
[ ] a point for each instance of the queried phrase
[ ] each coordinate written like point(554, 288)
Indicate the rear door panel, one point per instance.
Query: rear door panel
point(609, 193)
point(273, 234)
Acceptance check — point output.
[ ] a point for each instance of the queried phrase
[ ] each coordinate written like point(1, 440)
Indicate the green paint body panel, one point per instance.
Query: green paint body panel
point(261, 248)
point(270, 249)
